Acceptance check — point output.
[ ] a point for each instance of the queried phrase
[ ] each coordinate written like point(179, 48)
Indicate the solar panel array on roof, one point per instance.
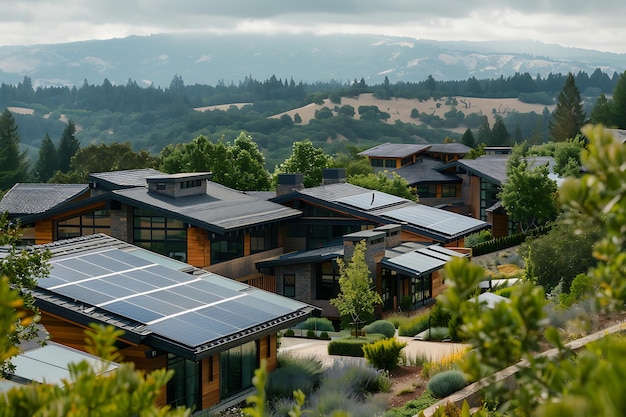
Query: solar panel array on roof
point(192, 310)
point(416, 262)
point(371, 200)
point(442, 221)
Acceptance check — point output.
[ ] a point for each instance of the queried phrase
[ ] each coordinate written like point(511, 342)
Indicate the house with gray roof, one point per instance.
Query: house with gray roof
point(211, 330)
point(183, 216)
point(406, 274)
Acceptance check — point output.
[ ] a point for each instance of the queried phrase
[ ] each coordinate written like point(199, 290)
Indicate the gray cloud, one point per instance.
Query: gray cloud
point(572, 23)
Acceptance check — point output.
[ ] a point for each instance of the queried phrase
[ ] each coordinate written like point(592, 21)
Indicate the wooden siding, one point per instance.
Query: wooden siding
point(210, 371)
point(43, 232)
point(438, 285)
point(198, 249)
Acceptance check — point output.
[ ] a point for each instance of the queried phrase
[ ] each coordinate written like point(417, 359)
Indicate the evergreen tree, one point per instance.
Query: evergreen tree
point(619, 103)
point(602, 112)
point(47, 162)
point(468, 138)
point(68, 147)
point(484, 131)
point(499, 134)
point(14, 166)
point(569, 116)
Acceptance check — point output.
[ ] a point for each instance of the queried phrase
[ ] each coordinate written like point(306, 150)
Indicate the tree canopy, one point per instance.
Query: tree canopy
point(307, 160)
point(390, 183)
point(528, 195)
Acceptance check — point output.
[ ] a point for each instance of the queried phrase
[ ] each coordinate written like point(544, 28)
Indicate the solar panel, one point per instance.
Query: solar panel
point(437, 220)
point(187, 309)
point(371, 200)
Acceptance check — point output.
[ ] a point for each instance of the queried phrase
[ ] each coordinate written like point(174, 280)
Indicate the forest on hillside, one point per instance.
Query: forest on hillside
point(149, 118)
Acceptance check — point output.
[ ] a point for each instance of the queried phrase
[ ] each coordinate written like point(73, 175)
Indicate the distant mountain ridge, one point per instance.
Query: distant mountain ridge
point(212, 59)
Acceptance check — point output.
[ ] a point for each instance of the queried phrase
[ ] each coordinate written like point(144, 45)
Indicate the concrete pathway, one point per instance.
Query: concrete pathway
point(318, 349)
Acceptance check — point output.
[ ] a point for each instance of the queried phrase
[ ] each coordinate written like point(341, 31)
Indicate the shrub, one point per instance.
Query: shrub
point(324, 335)
point(289, 333)
point(414, 326)
point(311, 334)
point(355, 380)
point(446, 383)
point(437, 334)
point(350, 346)
point(413, 407)
point(316, 323)
point(384, 354)
point(446, 363)
point(381, 326)
point(397, 319)
point(439, 316)
point(293, 373)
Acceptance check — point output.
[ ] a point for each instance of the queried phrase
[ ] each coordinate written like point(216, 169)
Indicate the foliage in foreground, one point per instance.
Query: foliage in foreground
point(123, 392)
point(562, 381)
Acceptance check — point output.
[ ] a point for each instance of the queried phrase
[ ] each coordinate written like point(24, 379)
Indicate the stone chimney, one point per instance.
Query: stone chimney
point(333, 176)
point(288, 183)
point(374, 247)
point(393, 234)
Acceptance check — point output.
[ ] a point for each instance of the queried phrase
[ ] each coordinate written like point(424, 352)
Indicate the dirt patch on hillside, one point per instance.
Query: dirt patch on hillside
point(400, 108)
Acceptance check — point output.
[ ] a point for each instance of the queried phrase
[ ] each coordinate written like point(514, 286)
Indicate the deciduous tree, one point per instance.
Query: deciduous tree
point(390, 183)
point(357, 295)
point(528, 195)
point(307, 160)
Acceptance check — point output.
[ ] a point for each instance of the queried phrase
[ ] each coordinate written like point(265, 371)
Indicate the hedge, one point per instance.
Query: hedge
point(350, 346)
point(506, 242)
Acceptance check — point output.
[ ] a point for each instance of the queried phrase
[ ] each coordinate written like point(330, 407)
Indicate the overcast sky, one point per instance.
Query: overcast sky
point(572, 23)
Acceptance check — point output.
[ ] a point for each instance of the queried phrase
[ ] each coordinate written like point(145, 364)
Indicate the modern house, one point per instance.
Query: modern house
point(336, 208)
point(183, 216)
point(419, 165)
point(407, 275)
point(482, 180)
point(212, 331)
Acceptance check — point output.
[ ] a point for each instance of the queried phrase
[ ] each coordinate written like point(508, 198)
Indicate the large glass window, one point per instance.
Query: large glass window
point(237, 367)
point(98, 221)
point(185, 386)
point(448, 190)
point(421, 289)
point(226, 247)
point(321, 234)
point(388, 281)
point(160, 234)
point(488, 197)
point(427, 190)
point(263, 239)
point(327, 278)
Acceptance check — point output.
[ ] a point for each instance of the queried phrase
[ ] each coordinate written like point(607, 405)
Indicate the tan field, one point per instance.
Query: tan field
point(400, 108)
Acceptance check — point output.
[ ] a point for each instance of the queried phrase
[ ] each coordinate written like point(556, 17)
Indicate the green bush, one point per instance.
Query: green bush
point(505, 291)
point(324, 335)
point(316, 323)
point(293, 374)
point(437, 334)
point(415, 325)
point(350, 346)
point(413, 407)
point(446, 383)
point(381, 326)
point(384, 354)
point(439, 316)
point(311, 334)
point(289, 333)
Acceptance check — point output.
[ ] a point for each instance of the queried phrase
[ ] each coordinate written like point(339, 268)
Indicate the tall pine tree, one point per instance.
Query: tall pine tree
point(68, 147)
point(569, 116)
point(14, 165)
point(47, 162)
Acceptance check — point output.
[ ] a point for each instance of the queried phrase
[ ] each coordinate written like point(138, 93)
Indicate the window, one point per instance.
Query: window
point(98, 221)
point(427, 190)
point(406, 161)
point(226, 247)
point(289, 285)
point(184, 387)
point(263, 239)
point(160, 234)
point(327, 281)
point(390, 163)
point(377, 162)
point(190, 184)
point(448, 190)
point(237, 367)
